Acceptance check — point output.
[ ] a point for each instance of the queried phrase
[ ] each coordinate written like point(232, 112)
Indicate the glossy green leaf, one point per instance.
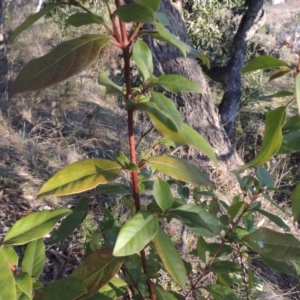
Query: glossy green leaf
point(111, 87)
point(153, 4)
point(272, 137)
point(80, 19)
point(224, 267)
point(277, 95)
point(68, 288)
point(235, 210)
point(24, 283)
point(176, 83)
point(290, 143)
point(34, 258)
point(221, 292)
point(279, 266)
point(65, 60)
point(275, 219)
point(113, 188)
point(203, 249)
point(81, 176)
point(135, 12)
point(296, 203)
point(112, 290)
point(197, 219)
point(170, 257)
point(11, 255)
point(264, 177)
point(279, 72)
point(162, 294)
point(34, 226)
point(72, 221)
point(262, 63)
point(297, 90)
point(168, 107)
point(136, 233)
point(97, 270)
point(142, 57)
point(7, 281)
point(162, 194)
point(273, 244)
point(161, 18)
point(179, 169)
point(33, 18)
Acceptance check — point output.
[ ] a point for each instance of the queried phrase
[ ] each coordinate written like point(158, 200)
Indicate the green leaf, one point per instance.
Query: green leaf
point(279, 266)
point(142, 56)
point(11, 255)
point(170, 257)
point(162, 18)
point(7, 281)
point(262, 63)
point(72, 221)
point(176, 83)
point(166, 36)
point(97, 270)
point(32, 19)
point(80, 19)
point(64, 289)
point(225, 267)
point(273, 244)
point(290, 143)
point(221, 292)
point(113, 188)
point(162, 194)
point(203, 249)
point(135, 12)
point(179, 169)
point(65, 60)
point(34, 258)
point(275, 219)
point(34, 226)
point(272, 138)
point(236, 209)
point(279, 72)
point(264, 177)
point(153, 4)
point(292, 124)
point(296, 203)
point(24, 283)
point(81, 176)
point(168, 107)
point(277, 95)
point(136, 233)
point(297, 90)
point(111, 87)
point(162, 294)
point(197, 219)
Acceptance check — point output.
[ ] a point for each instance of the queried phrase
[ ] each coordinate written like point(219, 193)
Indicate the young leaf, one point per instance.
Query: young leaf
point(66, 288)
point(170, 257)
point(162, 194)
point(153, 4)
point(225, 267)
point(297, 90)
point(80, 19)
point(24, 283)
point(272, 138)
point(264, 177)
point(81, 176)
point(72, 221)
point(275, 219)
point(111, 87)
point(34, 258)
point(67, 59)
point(11, 255)
point(33, 18)
point(136, 233)
point(135, 12)
point(176, 83)
point(142, 56)
point(273, 244)
point(279, 72)
point(97, 270)
point(221, 292)
point(34, 226)
point(263, 62)
point(7, 281)
point(179, 169)
point(197, 219)
point(296, 203)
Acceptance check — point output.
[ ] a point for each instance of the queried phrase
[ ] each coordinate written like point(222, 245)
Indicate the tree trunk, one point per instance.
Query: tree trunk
point(3, 57)
point(198, 110)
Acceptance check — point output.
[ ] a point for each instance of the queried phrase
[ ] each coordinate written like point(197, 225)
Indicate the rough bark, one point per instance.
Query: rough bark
point(230, 75)
point(197, 109)
point(3, 57)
